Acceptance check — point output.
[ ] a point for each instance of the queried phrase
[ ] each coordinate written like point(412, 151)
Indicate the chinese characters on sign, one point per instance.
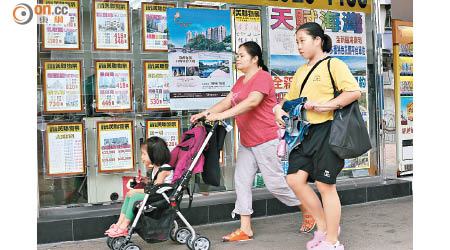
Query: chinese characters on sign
point(115, 146)
point(169, 130)
point(63, 35)
point(246, 26)
point(157, 94)
point(113, 86)
point(154, 26)
point(111, 25)
point(62, 86)
point(65, 149)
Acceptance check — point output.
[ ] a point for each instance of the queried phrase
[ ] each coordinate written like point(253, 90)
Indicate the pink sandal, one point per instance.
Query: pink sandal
point(112, 228)
point(118, 232)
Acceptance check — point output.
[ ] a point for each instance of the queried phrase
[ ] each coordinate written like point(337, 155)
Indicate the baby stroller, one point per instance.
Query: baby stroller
point(155, 217)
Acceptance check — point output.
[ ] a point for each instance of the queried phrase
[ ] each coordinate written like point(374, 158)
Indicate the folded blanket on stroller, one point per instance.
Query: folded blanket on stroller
point(296, 123)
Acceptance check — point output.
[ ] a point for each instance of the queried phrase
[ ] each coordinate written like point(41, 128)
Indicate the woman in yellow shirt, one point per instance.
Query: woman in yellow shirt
point(313, 160)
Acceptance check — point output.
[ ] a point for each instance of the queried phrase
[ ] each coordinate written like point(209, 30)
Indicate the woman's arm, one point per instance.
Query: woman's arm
point(342, 100)
point(253, 99)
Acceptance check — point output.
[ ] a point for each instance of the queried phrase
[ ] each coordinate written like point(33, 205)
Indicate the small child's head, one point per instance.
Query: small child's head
point(154, 151)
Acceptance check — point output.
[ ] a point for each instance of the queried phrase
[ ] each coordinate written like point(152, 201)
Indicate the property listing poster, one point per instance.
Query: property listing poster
point(111, 25)
point(347, 31)
point(65, 149)
point(65, 35)
point(62, 86)
point(200, 58)
point(406, 117)
point(157, 93)
point(154, 26)
point(115, 146)
point(113, 86)
point(246, 26)
point(169, 130)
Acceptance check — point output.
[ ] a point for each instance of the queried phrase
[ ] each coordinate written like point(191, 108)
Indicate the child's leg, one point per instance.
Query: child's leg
point(297, 182)
point(128, 210)
point(332, 209)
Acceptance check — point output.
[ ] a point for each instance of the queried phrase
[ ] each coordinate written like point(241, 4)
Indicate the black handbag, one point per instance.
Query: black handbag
point(348, 135)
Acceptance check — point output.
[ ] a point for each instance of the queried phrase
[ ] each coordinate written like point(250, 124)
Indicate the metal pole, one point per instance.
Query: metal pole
point(378, 56)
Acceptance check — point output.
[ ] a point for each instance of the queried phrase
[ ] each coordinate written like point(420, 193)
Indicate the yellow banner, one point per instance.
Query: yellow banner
point(342, 5)
point(111, 5)
point(62, 65)
point(66, 128)
point(115, 126)
point(73, 4)
point(162, 124)
point(157, 65)
point(156, 7)
point(193, 6)
point(247, 15)
point(113, 65)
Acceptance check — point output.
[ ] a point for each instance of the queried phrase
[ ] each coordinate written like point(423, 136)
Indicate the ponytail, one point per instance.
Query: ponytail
point(326, 43)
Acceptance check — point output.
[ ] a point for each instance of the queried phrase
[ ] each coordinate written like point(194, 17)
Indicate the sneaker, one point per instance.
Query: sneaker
point(113, 227)
point(324, 245)
point(318, 238)
point(119, 232)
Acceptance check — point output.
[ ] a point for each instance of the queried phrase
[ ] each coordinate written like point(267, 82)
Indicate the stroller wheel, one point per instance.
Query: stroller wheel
point(116, 243)
point(190, 242)
point(173, 231)
point(130, 246)
point(109, 241)
point(182, 235)
point(201, 243)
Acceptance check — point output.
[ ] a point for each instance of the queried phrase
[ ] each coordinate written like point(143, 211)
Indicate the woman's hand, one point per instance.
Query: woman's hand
point(279, 113)
point(196, 117)
point(214, 117)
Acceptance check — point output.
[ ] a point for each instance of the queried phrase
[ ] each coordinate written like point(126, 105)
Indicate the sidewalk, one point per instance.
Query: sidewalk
point(384, 225)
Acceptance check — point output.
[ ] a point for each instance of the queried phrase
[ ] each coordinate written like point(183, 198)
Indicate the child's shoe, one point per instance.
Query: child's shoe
point(324, 245)
point(321, 236)
point(113, 227)
point(318, 237)
point(119, 232)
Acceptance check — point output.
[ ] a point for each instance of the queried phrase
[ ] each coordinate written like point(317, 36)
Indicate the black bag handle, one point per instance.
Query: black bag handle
point(336, 92)
point(309, 73)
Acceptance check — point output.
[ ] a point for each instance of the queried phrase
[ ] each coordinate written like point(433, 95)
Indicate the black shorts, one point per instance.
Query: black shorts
point(315, 157)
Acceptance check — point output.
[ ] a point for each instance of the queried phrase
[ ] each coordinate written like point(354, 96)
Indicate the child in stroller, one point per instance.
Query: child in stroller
point(154, 155)
point(161, 202)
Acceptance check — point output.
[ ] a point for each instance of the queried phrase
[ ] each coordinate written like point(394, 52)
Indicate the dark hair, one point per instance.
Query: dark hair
point(254, 50)
point(157, 150)
point(315, 30)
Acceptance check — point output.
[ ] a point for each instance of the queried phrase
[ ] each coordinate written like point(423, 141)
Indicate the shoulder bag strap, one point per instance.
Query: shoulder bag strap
point(309, 73)
point(336, 92)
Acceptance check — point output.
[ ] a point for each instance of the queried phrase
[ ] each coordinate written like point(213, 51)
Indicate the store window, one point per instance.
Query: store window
point(117, 72)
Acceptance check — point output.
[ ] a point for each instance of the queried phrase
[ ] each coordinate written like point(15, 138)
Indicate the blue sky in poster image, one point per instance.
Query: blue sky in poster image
point(201, 20)
point(286, 62)
point(354, 63)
